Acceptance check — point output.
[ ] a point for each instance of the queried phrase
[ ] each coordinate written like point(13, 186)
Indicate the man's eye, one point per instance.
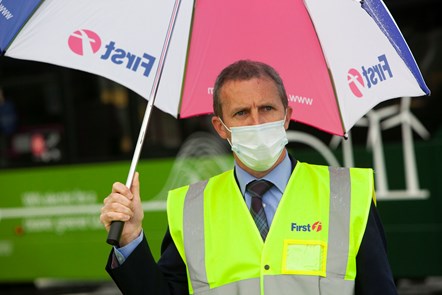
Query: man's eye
point(267, 108)
point(240, 113)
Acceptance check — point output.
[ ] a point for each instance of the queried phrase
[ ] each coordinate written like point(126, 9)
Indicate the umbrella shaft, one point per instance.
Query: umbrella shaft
point(116, 228)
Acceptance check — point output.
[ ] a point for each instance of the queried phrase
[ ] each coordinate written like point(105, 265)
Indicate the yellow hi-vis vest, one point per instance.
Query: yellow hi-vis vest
point(310, 249)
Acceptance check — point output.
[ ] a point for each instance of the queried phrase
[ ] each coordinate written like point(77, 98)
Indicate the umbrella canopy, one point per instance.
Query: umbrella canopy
point(338, 58)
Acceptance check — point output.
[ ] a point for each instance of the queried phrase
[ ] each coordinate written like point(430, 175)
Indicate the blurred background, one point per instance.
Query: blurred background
point(66, 136)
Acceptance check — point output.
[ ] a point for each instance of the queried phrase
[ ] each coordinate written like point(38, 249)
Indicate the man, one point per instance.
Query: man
point(310, 230)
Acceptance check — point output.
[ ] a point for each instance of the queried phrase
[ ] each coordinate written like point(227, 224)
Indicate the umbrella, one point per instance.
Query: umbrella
point(338, 58)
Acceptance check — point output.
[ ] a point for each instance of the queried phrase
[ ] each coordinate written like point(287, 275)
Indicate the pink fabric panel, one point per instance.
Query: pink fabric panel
point(279, 33)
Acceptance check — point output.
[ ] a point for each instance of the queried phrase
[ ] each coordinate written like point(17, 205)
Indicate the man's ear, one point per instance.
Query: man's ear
point(219, 127)
point(288, 117)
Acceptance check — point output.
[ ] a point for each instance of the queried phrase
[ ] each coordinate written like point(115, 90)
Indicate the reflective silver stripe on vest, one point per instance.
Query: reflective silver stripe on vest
point(311, 285)
point(338, 242)
point(339, 223)
point(195, 249)
point(338, 234)
point(243, 287)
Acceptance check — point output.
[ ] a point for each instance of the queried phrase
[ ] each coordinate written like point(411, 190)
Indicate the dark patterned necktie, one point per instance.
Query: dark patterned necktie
point(257, 189)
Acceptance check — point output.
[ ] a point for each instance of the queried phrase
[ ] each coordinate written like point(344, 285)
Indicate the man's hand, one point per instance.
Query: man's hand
point(124, 204)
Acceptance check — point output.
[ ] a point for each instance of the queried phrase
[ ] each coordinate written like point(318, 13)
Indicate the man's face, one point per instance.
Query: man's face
point(249, 102)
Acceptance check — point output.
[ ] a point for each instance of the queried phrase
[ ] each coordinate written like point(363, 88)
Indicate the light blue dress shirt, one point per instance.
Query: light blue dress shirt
point(278, 176)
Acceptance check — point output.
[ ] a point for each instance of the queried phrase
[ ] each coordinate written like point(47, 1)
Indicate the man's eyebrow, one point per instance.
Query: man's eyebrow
point(268, 104)
point(240, 108)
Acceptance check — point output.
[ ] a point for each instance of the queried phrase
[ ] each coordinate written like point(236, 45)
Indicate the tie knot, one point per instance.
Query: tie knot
point(258, 188)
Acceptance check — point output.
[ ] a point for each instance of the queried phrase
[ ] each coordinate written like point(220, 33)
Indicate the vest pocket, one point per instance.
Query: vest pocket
point(305, 257)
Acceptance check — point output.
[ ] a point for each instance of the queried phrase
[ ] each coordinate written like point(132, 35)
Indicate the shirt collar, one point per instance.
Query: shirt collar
point(279, 176)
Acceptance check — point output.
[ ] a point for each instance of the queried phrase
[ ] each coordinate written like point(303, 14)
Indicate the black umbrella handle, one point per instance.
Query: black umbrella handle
point(113, 237)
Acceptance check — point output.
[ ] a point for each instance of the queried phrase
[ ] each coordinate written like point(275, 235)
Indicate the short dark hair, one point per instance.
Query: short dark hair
point(246, 70)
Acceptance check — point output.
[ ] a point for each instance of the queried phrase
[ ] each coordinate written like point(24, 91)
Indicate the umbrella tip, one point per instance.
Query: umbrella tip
point(345, 135)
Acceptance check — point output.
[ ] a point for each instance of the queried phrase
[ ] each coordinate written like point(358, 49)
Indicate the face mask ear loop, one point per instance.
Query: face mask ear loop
point(227, 128)
point(285, 116)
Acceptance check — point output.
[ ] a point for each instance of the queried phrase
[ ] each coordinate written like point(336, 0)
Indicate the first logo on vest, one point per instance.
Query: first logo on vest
point(316, 227)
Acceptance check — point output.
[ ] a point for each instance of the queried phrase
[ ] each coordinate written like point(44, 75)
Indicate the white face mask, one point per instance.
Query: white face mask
point(258, 146)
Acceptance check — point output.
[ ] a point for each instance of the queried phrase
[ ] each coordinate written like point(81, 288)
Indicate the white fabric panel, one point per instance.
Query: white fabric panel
point(127, 31)
point(352, 40)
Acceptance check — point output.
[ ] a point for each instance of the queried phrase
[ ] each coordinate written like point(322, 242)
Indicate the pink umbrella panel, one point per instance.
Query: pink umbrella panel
point(331, 81)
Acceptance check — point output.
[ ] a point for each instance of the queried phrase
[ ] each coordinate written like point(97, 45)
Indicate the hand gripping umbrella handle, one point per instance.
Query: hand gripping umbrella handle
point(116, 228)
point(113, 237)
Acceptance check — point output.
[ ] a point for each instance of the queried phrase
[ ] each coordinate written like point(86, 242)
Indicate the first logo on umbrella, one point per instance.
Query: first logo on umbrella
point(372, 75)
point(86, 42)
